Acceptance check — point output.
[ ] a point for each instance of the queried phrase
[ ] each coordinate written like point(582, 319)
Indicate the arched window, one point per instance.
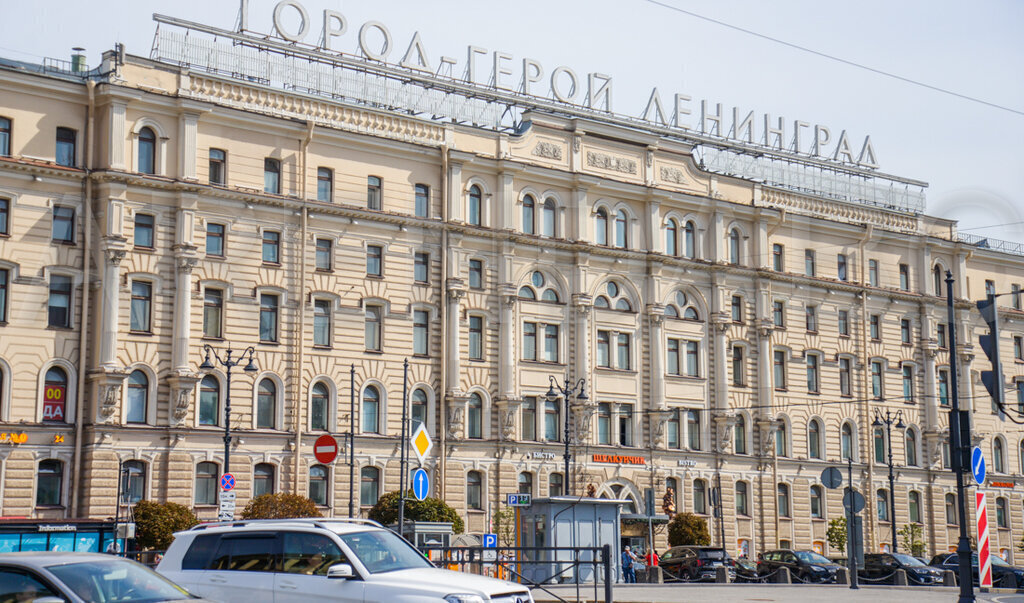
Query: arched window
point(56, 389)
point(951, 512)
point(550, 295)
point(781, 439)
point(740, 436)
point(671, 238)
point(700, 505)
point(734, 246)
point(548, 220)
point(742, 505)
point(914, 507)
point(369, 486)
point(555, 485)
point(263, 480)
point(319, 402)
point(817, 502)
point(526, 483)
point(419, 409)
point(693, 429)
point(998, 457)
point(690, 313)
point(814, 439)
point(266, 400)
point(474, 490)
point(882, 504)
point(147, 151)
point(371, 409)
point(50, 483)
point(601, 227)
point(209, 400)
point(474, 417)
point(938, 281)
point(671, 311)
point(910, 444)
point(528, 214)
point(318, 484)
point(133, 486)
point(138, 397)
point(526, 292)
point(690, 240)
point(846, 442)
point(475, 205)
point(206, 483)
point(783, 496)
point(621, 224)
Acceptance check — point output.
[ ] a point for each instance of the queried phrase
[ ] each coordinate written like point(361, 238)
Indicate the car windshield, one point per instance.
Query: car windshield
point(811, 557)
point(997, 560)
point(907, 560)
point(383, 551)
point(117, 580)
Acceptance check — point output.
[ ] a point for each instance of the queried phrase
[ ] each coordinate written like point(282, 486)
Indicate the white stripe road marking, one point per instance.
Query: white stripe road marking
point(325, 449)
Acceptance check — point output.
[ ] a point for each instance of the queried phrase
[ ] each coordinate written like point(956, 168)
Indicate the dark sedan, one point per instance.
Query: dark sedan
point(804, 566)
point(881, 568)
point(693, 563)
point(1004, 575)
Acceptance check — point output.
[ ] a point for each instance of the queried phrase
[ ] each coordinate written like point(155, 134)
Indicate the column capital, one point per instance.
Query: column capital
point(582, 302)
point(456, 288)
point(185, 263)
point(656, 312)
point(114, 255)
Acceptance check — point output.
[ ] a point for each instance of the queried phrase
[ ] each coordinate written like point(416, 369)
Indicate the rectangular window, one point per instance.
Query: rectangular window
point(143, 234)
point(779, 314)
point(876, 380)
point(779, 360)
point(551, 343)
point(324, 184)
point(737, 366)
point(625, 415)
point(218, 166)
point(1014, 290)
point(623, 353)
point(944, 387)
point(777, 257)
point(529, 416)
point(373, 200)
point(672, 357)
point(422, 201)
point(268, 317)
point(844, 377)
point(990, 287)
point(737, 309)
point(813, 378)
point(908, 384)
point(809, 263)
point(5, 136)
point(3, 295)
point(692, 359)
point(811, 318)
point(271, 247)
point(420, 330)
point(905, 331)
point(476, 274)
point(214, 239)
point(904, 277)
point(322, 323)
point(604, 424)
point(940, 335)
point(272, 176)
point(841, 270)
point(142, 299)
point(66, 147)
point(59, 305)
point(672, 432)
point(551, 416)
point(324, 253)
point(1018, 347)
point(421, 270)
point(603, 349)
point(213, 310)
point(873, 273)
point(476, 338)
point(529, 341)
point(374, 260)
point(844, 323)
point(5, 216)
point(875, 322)
point(372, 334)
point(63, 224)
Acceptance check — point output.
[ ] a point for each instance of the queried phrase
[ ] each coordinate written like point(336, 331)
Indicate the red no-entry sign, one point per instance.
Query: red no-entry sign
point(325, 449)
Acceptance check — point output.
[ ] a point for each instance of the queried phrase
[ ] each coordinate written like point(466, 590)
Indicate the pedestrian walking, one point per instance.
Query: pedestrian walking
point(628, 559)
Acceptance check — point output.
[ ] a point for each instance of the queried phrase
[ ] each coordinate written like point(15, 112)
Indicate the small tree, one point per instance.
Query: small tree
point(505, 526)
point(280, 506)
point(156, 523)
point(687, 528)
point(428, 509)
point(836, 534)
point(912, 537)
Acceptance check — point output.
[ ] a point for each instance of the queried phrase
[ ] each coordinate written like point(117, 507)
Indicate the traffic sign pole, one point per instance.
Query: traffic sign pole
point(984, 554)
point(957, 447)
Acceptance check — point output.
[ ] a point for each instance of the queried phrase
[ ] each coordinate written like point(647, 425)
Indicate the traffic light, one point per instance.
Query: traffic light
point(992, 379)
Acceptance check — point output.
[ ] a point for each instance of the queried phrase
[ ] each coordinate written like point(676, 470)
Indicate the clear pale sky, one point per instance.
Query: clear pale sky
point(967, 151)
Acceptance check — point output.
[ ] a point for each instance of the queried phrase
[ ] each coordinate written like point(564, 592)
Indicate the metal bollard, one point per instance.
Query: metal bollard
point(843, 575)
point(722, 575)
point(900, 579)
point(654, 575)
point(948, 578)
point(782, 576)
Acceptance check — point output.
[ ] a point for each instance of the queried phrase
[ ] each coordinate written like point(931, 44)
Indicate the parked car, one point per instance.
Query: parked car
point(693, 563)
point(879, 566)
point(311, 561)
point(65, 577)
point(804, 566)
point(1003, 574)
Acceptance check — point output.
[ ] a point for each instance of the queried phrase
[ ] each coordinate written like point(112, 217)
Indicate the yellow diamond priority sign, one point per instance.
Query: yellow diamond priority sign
point(421, 442)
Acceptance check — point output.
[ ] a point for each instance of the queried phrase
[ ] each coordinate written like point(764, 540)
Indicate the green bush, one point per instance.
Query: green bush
point(428, 509)
point(156, 523)
point(687, 528)
point(280, 506)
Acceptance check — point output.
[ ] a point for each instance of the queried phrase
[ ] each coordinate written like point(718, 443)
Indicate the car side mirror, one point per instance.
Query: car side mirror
point(341, 571)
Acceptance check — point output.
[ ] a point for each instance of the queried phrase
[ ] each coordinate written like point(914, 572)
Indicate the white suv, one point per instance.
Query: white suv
point(310, 560)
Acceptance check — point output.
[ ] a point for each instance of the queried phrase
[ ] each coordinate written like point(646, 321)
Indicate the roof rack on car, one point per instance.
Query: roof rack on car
point(315, 521)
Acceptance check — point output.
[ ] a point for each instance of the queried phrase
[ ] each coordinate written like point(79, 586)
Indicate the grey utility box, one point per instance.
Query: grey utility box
point(564, 522)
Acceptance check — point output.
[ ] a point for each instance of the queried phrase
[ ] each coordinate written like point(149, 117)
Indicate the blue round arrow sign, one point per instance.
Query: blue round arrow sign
point(420, 484)
point(978, 466)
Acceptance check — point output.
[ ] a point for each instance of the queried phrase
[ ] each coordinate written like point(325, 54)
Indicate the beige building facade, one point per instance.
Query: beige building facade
point(732, 336)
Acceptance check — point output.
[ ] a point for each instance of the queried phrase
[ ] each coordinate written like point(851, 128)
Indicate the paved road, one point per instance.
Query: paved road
point(765, 593)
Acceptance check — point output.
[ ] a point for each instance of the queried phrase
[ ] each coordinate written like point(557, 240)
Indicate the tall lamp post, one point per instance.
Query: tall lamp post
point(567, 391)
point(228, 363)
point(888, 419)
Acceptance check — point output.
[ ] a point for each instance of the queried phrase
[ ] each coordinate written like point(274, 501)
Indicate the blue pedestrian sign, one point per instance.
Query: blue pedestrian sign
point(420, 484)
point(490, 541)
point(227, 482)
point(978, 466)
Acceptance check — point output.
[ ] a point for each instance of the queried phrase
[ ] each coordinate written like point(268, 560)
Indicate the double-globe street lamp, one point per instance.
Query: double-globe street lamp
point(228, 363)
point(888, 419)
point(566, 391)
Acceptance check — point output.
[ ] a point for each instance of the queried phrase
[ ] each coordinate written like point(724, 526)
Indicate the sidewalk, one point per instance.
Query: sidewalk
point(659, 593)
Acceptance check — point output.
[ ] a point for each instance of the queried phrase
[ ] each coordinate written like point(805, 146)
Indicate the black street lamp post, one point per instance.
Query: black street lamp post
point(567, 391)
point(888, 419)
point(228, 363)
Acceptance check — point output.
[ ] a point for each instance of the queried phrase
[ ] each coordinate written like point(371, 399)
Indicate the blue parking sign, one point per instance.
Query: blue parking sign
point(490, 541)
